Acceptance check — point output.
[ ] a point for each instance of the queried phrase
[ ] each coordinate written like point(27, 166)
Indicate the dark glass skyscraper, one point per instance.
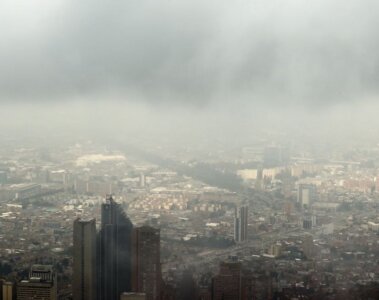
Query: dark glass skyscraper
point(114, 259)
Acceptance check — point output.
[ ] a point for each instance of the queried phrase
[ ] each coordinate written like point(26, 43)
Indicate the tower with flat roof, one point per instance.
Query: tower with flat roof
point(240, 223)
point(41, 284)
point(84, 269)
point(146, 267)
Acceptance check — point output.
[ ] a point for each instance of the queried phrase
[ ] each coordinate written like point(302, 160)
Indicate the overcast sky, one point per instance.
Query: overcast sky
point(232, 56)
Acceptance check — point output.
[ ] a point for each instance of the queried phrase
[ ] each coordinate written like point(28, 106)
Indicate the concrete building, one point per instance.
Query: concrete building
point(308, 246)
point(41, 284)
point(133, 296)
point(8, 291)
point(25, 191)
point(3, 177)
point(240, 223)
point(146, 267)
point(309, 221)
point(142, 180)
point(84, 269)
point(227, 284)
point(275, 249)
point(306, 195)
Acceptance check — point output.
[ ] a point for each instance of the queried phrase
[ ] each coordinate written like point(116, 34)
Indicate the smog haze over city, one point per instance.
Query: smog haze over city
point(189, 149)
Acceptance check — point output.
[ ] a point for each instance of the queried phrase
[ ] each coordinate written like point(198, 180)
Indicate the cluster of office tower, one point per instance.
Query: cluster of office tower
point(117, 259)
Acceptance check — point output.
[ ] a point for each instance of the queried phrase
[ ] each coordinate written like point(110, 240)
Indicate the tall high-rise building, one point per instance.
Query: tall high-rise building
point(142, 180)
point(41, 284)
point(306, 194)
point(227, 285)
point(84, 271)
point(114, 256)
point(133, 296)
point(240, 223)
point(3, 177)
point(308, 246)
point(7, 291)
point(146, 267)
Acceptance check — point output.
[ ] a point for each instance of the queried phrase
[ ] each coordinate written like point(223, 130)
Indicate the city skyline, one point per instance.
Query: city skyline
point(199, 150)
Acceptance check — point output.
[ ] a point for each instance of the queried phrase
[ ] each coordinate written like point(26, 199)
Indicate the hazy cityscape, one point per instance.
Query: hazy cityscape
point(199, 150)
point(294, 224)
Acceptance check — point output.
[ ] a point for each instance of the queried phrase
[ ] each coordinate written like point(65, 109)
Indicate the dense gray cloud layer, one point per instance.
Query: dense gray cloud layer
point(308, 53)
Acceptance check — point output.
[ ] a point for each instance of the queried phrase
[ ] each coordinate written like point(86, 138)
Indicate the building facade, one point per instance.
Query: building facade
point(8, 291)
point(146, 267)
point(306, 195)
point(133, 296)
point(240, 223)
point(41, 284)
point(114, 253)
point(84, 268)
point(227, 284)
